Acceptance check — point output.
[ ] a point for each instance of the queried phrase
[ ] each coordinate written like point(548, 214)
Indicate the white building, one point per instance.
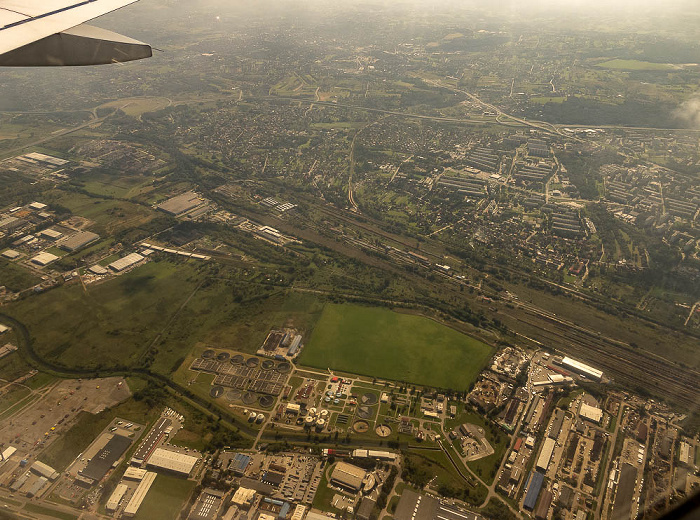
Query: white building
point(172, 461)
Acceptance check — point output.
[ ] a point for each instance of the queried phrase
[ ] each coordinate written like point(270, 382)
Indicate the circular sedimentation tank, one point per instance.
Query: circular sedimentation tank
point(234, 395)
point(248, 398)
point(266, 401)
point(382, 430)
point(223, 356)
point(267, 364)
point(208, 354)
point(252, 362)
point(238, 359)
point(360, 426)
point(216, 391)
point(284, 367)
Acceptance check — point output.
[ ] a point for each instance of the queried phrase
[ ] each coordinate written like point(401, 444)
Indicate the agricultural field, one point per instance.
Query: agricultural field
point(382, 343)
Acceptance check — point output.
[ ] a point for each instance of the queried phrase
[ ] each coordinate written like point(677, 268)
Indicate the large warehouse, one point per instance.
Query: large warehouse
point(104, 459)
point(582, 368)
point(137, 498)
point(546, 453)
point(181, 203)
point(177, 463)
point(124, 263)
point(44, 258)
point(78, 241)
point(348, 476)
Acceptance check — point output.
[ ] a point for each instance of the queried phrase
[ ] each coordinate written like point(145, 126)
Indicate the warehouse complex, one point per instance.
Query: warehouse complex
point(177, 463)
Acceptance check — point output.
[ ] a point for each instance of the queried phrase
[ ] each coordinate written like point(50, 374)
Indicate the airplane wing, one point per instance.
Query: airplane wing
point(53, 32)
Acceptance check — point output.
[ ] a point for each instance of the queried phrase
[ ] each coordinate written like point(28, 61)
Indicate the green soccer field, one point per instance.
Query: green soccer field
point(378, 342)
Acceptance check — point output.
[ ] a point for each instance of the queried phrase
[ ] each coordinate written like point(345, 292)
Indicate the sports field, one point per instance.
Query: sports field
point(378, 342)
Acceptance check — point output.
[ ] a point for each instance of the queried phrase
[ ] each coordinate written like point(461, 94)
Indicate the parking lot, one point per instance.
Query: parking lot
point(36, 425)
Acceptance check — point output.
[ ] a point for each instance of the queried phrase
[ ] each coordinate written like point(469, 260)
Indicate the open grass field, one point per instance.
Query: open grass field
point(635, 65)
point(110, 216)
point(47, 511)
point(16, 277)
point(381, 343)
point(165, 498)
point(111, 323)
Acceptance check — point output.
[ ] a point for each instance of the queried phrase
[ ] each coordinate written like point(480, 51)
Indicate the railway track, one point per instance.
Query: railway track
point(625, 366)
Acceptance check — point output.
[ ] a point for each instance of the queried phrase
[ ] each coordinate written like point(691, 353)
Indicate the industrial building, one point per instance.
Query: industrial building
point(36, 487)
point(624, 491)
point(374, 454)
point(181, 203)
point(243, 497)
point(44, 259)
point(104, 459)
point(7, 453)
point(413, 506)
point(126, 262)
point(44, 470)
point(582, 369)
point(591, 413)
point(11, 254)
point(51, 234)
point(239, 463)
point(366, 507)
point(207, 505)
point(533, 490)
point(299, 512)
point(78, 241)
point(546, 453)
point(556, 424)
point(348, 476)
point(116, 497)
point(133, 473)
point(543, 506)
point(137, 498)
point(171, 461)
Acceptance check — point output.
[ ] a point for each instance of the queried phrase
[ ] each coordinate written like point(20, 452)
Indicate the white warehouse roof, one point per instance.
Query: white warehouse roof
point(546, 453)
point(116, 497)
point(133, 506)
point(582, 367)
point(127, 261)
point(44, 258)
point(591, 413)
point(172, 461)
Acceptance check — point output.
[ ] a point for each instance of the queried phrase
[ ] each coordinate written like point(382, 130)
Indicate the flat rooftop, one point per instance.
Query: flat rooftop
point(103, 460)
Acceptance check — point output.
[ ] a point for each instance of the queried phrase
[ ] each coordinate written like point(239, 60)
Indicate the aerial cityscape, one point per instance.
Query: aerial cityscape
point(379, 261)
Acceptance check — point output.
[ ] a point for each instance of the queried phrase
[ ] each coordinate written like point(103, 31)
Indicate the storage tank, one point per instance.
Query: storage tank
point(312, 411)
point(252, 416)
point(260, 418)
point(320, 424)
point(309, 421)
point(324, 414)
